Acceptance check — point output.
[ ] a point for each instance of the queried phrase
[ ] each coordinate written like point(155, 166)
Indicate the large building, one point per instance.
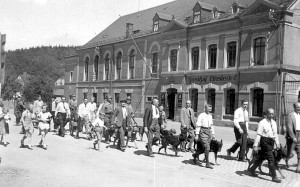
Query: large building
point(216, 52)
point(2, 60)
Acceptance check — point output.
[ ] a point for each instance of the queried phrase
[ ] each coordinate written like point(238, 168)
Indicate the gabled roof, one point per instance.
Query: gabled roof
point(164, 16)
point(182, 10)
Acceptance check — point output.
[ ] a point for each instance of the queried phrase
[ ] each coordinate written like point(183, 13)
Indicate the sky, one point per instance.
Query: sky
point(30, 23)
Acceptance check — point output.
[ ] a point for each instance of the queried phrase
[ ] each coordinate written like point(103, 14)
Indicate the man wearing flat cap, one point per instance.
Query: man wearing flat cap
point(108, 109)
point(73, 108)
point(121, 119)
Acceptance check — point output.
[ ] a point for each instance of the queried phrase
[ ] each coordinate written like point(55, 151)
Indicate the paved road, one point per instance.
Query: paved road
point(71, 162)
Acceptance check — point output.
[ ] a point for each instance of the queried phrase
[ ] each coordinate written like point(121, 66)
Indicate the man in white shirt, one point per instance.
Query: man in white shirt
point(267, 136)
point(37, 105)
point(93, 108)
point(293, 134)
point(205, 132)
point(151, 125)
point(241, 119)
point(53, 126)
point(84, 114)
point(62, 113)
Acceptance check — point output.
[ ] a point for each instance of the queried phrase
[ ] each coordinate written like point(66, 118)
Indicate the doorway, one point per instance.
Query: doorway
point(171, 102)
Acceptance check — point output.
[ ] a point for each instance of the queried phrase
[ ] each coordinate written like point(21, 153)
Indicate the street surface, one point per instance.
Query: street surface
point(72, 162)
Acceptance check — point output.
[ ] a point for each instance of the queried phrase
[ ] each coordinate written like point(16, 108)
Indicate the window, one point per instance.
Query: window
point(84, 95)
point(71, 76)
point(230, 101)
point(128, 95)
point(86, 69)
point(118, 66)
point(259, 50)
point(215, 13)
point(106, 67)
point(212, 56)
point(117, 99)
point(231, 54)
point(95, 96)
point(149, 98)
point(195, 58)
point(131, 64)
point(173, 60)
point(194, 99)
point(155, 26)
point(299, 96)
point(234, 9)
point(96, 62)
point(105, 95)
point(258, 101)
point(2, 65)
point(211, 99)
point(154, 65)
point(196, 16)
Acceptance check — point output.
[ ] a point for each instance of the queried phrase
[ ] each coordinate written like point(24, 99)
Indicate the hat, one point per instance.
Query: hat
point(108, 97)
point(123, 101)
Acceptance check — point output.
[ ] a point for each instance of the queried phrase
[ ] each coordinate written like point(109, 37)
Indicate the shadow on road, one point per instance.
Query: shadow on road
point(243, 173)
point(225, 157)
point(141, 152)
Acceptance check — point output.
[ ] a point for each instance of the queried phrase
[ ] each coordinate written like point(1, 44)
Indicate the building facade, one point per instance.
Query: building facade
point(209, 51)
point(2, 60)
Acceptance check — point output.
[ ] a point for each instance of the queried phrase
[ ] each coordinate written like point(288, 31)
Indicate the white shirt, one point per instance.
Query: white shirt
point(98, 122)
point(53, 106)
point(204, 120)
point(92, 106)
point(297, 117)
point(37, 106)
point(155, 112)
point(44, 116)
point(62, 107)
point(267, 128)
point(240, 115)
point(84, 110)
point(124, 109)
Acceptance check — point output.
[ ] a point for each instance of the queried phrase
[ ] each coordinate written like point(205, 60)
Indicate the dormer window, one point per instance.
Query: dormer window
point(215, 12)
point(234, 9)
point(197, 17)
point(155, 26)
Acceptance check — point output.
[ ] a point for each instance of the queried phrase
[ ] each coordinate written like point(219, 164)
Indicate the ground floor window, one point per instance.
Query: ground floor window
point(194, 99)
point(84, 95)
point(211, 98)
point(258, 100)
point(105, 96)
point(230, 101)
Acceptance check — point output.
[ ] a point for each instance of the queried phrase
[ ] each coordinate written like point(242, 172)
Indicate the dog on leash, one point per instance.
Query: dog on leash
point(169, 137)
point(279, 154)
point(249, 145)
point(215, 147)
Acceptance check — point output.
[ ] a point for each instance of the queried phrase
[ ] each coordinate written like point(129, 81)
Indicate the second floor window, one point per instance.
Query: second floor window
point(131, 64)
point(212, 56)
point(173, 60)
point(155, 26)
point(231, 54)
point(259, 50)
point(196, 16)
point(106, 67)
point(86, 69)
point(195, 58)
point(96, 63)
point(154, 65)
point(118, 66)
point(71, 76)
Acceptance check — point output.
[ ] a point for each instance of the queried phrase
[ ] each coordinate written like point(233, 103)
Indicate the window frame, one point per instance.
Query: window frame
point(71, 76)
point(197, 14)
point(106, 73)
point(228, 52)
point(118, 69)
point(228, 100)
point(155, 25)
point(131, 57)
point(86, 68)
point(154, 74)
point(170, 59)
point(96, 70)
point(192, 57)
point(256, 96)
point(264, 47)
point(209, 57)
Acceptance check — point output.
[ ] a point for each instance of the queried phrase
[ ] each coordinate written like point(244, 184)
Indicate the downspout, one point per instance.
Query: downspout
point(239, 60)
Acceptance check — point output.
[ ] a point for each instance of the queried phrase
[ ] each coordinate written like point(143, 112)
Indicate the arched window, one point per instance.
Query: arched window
point(131, 64)
point(86, 69)
point(96, 63)
point(118, 66)
point(154, 64)
point(230, 101)
point(259, 50)
point(258, 102)
point(231, 54)
point(173, 60)
point(212, 56)
point(195, 58)
point(211, 99)
point(106, 67)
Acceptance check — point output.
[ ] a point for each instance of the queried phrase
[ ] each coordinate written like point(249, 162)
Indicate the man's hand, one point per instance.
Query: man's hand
point(196, 137)
point(255, 149)
point(294, 140)
point(146, 129)
point(241, 131)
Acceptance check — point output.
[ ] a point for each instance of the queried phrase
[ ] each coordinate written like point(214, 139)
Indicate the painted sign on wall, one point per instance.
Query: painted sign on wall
point(211, 78)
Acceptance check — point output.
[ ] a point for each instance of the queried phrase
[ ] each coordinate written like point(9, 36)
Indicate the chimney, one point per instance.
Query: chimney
point(129, 29)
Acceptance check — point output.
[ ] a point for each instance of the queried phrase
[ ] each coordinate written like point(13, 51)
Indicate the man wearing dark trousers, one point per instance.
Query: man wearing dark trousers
point(151, 125)
point(241, 119)
point(267, 136)
point(62, 113)
point(122, 118)
point(293, 135)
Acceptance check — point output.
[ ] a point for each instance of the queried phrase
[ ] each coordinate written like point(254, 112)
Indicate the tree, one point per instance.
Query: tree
point(10, 88)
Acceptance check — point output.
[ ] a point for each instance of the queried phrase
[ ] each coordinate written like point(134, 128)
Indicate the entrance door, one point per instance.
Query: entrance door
point(171, 102)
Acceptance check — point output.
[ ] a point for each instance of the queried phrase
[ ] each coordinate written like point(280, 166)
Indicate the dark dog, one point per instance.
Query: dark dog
point(169, 137)
point(249, 145)
point(215, 147)
point(278, 155)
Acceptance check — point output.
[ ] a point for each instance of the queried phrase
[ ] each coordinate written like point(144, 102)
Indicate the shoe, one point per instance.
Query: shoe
point(95, 145)
point(45, 147)
point(190, 150)
point(151, 155)
point(5, 144)
point(29, 147)
point(250, 173)
point(209, 166)
point(276, 179)
point(242, 160)
point(194, 159)
point(228, 153)
point(22, 144)
point(146, 147)
point(76, 137)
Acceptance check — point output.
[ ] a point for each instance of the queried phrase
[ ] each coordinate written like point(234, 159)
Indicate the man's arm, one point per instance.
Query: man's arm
point(236, 117)
point(182, 117)
point(289, 126)
point(56, 111)
point(198, 124)
point(146, 117)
